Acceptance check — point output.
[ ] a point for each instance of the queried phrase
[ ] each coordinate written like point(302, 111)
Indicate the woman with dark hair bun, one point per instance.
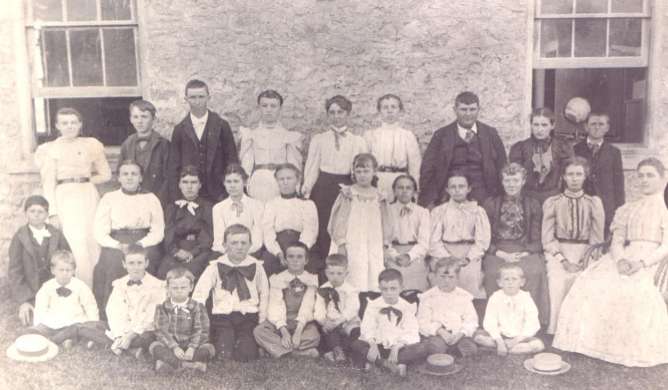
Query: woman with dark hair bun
point(614, 311)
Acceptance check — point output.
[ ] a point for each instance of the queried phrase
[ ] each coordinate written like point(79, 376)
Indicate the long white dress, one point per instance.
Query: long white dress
point(358, 222)
point(74, 203)
point(261, 150)
point(621, 319)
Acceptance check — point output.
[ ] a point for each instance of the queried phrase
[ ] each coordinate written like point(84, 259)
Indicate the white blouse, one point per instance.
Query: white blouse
point(413, 226)
point(394, 146)
point(226, 213)
point(118, 210)
point(294, 214)
point(264, 145)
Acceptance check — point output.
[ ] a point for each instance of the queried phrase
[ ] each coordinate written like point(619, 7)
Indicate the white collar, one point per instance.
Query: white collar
point(592, 142)
point(473, 128)
point(197, 120)
point(225, 259)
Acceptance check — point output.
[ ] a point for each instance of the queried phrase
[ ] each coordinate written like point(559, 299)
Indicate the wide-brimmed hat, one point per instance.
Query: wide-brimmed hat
point(32, 348)
point(440, 364)
point(547, 364)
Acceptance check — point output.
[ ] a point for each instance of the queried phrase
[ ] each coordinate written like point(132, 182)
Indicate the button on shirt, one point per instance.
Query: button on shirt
point(225, 214)
point(277, 311)
point(199, 124)
point(132, 308)
point(226, 302)
point(57, 311)
point(511, 316)
point(452, 310)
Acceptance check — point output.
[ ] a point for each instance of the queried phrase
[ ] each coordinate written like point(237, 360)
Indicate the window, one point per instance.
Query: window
point(84, 55)
point(599, 50)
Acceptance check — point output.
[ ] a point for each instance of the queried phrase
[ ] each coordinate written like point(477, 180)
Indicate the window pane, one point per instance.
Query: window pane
point(625, 37)
point(591, 6)
point(119, 55)
point(81, 10)
point(116, 9)
point(54, 48)
point(627, 5)
point(555, 38)
point(47, 10)
point(556, 6)
point(86, 57)
point(106, 119)
point(590, 38)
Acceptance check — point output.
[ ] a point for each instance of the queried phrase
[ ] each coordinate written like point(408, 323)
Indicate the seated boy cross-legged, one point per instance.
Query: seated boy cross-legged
point(289, 328)
point(181, 326)
point(336, 309)
point(511, 318)
point(446, 315)
point(389, 334)
point(239, 292)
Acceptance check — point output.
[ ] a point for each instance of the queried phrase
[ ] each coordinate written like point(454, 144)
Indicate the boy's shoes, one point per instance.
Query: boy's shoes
point(399, 369)
point(311, 352)
point(329, 356)
point(339, 355)
point(136, 352)
point(368, 367)
point(68, 344)
point(467, 347)
point(116, 351)
point(161, 366)
point(199, 366)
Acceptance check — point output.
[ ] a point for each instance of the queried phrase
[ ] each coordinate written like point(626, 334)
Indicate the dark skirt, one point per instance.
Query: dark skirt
point(109, 267)
point(535, 275)
point(272, 264)
point(324, 193)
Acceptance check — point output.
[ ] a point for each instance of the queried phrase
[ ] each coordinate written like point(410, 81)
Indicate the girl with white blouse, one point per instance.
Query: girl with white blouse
point(70, 167)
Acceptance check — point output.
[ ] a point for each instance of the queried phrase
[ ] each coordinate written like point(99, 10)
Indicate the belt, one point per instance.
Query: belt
point(271, 167)
point(395, 242)
point(130, 231)
point(459, 242)
point(385, 168)
point(73, 180)
point(572, 241)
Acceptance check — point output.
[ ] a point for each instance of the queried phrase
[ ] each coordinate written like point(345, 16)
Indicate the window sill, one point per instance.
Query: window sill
point(26, 166)
point(632, 154)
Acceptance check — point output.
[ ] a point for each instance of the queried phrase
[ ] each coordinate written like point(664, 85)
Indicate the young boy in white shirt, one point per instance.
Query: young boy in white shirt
point(511, 318)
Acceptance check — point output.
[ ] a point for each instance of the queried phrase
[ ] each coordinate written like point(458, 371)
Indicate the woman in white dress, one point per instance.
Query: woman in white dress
point(395, 148)
point(613, 311)
point(70, 167)
point(262, 149)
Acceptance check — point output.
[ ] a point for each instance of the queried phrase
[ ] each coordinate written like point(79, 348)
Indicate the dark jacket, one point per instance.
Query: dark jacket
point(179, 223)
point(522, 153)
point(154, 177)
point(24, 262)
point(221, 151)
point(437, 158)
point(533, 219)
point(606, 178)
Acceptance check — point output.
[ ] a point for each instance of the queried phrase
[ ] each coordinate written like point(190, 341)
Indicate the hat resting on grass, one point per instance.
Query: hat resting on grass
point(547, 364)
point(440, 364)
point(32, 348)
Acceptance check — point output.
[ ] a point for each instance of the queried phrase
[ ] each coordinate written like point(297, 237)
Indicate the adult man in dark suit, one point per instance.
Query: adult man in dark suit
point(202, 139)
point(465, 145)
point(606, 173)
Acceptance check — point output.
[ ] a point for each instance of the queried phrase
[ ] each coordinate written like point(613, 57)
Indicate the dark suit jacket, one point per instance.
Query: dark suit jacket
point(24, 262)
point(154, 177)
point(533, 219)
point(437, 158)
point(606, 179)
point(221, 151)
point(179, 222)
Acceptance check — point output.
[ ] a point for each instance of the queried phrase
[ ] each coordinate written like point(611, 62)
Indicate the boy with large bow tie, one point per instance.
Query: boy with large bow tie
point(336, 309)
point(289, 327)
point(240, 295)
point(389, 335)
point(65, 308)
point(131, 306)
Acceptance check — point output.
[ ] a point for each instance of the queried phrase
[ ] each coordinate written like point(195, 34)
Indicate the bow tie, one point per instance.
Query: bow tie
point(63, 291)
point(389, 310)
point(290, 196)
point(134, 283)
point(40, 234)
point(238, 207)
point(330, 295)
point(191, 205)
point(297, 286)
point(234, 278)
point(182, 306)
point(405, 210)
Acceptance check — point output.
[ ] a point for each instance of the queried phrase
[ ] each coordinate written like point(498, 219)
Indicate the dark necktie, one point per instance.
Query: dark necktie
point(594, 148)
point(238, 207)
point(296, 286)
point(391, 310)
point(469, 135)
point(337, 138)
point(234, 278)
point(405, 210)
point(290, 196)
point(134, 283)
point(63, 291)
point(330, 295)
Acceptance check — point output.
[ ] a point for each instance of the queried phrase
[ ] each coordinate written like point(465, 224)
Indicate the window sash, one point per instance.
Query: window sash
point(609, 14)
point(65, 22)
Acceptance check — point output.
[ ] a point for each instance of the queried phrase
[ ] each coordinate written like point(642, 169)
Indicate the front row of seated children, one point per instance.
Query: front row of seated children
point(285, 315)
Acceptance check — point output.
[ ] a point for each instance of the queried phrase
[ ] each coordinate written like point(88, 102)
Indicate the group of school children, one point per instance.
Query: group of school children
point(342, 261)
